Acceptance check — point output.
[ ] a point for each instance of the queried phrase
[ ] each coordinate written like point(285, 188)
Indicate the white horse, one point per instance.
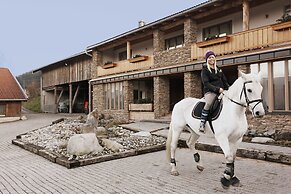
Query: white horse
point(229, 127)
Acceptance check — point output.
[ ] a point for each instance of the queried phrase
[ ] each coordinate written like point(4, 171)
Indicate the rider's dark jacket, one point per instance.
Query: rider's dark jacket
point(213, 81)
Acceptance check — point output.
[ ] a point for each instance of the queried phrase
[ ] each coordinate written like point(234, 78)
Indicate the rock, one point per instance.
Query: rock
point(100, 131)
point(81, 144)
point(87, 128)
point(112, 145)
point(262, 140)
point(142, 134)
point(283, 135)
point(23, 118)
point(92, 118)
point(270, 132)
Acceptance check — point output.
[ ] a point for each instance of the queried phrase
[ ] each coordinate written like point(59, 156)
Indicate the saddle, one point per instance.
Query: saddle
point(214, 111)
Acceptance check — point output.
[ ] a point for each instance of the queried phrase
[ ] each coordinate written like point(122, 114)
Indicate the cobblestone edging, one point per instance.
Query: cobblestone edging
point(61, 160)
point(258, 154)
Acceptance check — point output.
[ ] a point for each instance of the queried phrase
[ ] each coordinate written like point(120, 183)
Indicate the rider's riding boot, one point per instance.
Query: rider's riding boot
point(204, 116)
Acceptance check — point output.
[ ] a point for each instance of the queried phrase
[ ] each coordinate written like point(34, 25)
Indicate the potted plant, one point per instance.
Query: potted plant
point(137, 58)
point(108, 64)
point(284, 22)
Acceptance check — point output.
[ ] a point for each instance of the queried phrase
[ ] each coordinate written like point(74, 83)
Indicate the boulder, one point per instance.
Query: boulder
point(82, 144)
point(112, 145)
point(92, 118)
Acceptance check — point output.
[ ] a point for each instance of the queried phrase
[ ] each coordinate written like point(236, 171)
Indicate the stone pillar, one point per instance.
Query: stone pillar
point(192, 85)
point(246, 26)
point(96, 61)
point(159, 41)
point(98, 97)
point(190, 32)
point(128, 94)
point(161, 96)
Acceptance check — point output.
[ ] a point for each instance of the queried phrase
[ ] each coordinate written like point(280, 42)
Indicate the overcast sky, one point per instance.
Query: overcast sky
point(35, 33)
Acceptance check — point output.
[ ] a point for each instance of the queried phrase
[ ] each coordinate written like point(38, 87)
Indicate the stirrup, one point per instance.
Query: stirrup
point(202, 127)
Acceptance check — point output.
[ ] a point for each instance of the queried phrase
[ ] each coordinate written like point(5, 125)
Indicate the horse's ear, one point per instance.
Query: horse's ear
point(241, 74)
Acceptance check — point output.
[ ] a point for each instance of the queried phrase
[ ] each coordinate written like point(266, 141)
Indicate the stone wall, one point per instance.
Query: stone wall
point(192, 85)
point(96, 60)
point(121, 116)
point(161, 96)
point(280, 123)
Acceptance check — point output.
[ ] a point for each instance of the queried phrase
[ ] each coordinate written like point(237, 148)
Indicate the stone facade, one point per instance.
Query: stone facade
point(190, 32)
point(192, 84)
point(161, 96)
point(96, 60)
point(99, 102)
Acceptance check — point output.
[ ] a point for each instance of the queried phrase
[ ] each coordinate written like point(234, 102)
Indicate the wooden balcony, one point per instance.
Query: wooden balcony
point(259, 38)
point(126, 66)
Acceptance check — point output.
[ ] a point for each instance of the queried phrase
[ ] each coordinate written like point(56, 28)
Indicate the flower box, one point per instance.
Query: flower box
point(138, 59)
point(141, 107)
point(281, 26)
point(109, 65)
point(213, 41)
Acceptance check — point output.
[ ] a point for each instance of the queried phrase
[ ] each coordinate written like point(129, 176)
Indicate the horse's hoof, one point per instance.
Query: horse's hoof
point(225, 183)
point(235, 182)
point(200, 168)
point(175, 173)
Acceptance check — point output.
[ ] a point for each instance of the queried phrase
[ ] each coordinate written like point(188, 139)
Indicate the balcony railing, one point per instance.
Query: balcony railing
point(125, 66)
point(258, 38)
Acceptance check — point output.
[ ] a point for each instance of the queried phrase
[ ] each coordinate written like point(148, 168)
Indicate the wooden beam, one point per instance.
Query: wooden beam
point(246, 15)
point(75, 95)
point(59, 98)
point(128, 49)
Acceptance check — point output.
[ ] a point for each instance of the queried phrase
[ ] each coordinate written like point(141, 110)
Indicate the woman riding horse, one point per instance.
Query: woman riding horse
point(214, 82)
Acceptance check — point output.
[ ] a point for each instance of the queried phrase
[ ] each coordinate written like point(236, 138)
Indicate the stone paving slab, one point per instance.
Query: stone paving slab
point(8, 119)
point(249, 150)
point(145, 126)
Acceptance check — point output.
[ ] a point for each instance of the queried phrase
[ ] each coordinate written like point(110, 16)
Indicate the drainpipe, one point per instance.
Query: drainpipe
point(86, 52)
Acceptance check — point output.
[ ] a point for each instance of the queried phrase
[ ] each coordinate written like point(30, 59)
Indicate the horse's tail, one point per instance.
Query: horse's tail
point(168, 144)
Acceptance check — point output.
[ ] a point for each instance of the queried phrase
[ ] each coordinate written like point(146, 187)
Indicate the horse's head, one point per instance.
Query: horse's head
point(252, 93)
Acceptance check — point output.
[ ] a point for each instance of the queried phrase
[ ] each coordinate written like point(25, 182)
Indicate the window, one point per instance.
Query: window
point(122, 56)
point(276, 82)
point(174, 42)
point(218, 30)
point(143, 91)
point(2, 109)
point(114, 99)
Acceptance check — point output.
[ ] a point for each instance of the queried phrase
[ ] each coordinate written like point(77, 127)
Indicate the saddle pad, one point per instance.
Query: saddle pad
point(214, 114)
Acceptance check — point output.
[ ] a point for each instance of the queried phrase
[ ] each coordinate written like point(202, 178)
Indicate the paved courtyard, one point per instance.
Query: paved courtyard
point(24, 172)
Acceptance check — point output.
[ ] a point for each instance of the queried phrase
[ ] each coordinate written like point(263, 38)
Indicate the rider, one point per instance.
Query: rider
point(214, 83)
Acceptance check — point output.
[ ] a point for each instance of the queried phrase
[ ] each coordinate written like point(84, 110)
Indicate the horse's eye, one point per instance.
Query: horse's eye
point(249, 90)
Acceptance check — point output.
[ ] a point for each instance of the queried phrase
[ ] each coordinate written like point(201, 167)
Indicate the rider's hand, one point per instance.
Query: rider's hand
point(221, 90)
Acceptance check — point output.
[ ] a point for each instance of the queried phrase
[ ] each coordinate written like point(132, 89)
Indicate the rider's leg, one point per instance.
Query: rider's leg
point(209, 98)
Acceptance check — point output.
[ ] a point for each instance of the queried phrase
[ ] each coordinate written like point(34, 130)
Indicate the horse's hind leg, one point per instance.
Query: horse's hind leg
point(191, 144)
point(176, 131)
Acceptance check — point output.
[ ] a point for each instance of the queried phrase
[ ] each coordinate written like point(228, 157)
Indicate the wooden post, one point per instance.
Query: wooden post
point(70, 98)
point(90, 97)
point(246, 15)
point(270, 87)
point(59, 98)
point(286, 79)
point(55, 100)
point(128, 47)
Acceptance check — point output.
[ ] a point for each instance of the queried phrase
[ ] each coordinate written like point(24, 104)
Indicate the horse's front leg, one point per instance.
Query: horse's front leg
point(233, 148)
point(228, 174)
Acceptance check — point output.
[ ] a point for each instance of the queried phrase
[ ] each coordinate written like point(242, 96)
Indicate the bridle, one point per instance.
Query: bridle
point(248, 102)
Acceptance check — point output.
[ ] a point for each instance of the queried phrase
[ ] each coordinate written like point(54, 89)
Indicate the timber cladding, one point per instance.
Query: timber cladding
point(10, 109)
point(67, 72)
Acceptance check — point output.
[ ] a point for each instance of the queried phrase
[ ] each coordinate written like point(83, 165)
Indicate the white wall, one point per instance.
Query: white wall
point(262, 15)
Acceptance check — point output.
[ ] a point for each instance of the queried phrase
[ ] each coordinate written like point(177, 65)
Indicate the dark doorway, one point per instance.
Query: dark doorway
point(176, 90)
point(231, 73)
